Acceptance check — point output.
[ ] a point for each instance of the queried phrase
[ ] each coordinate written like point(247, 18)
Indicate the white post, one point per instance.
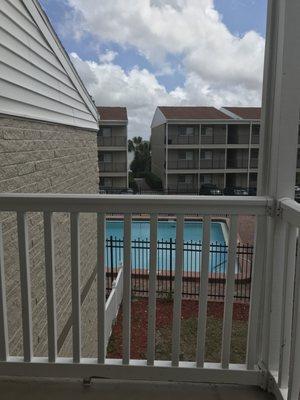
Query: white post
point(278, 153)
point(167, 156)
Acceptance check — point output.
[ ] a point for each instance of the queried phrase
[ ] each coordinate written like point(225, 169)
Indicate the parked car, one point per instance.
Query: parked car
point(235, 191)
point(127, 191)
point(297, 193)
point(210, 189)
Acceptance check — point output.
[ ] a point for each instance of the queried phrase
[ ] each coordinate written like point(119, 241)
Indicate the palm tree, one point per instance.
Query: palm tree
point(134, 143)
point(142, 159)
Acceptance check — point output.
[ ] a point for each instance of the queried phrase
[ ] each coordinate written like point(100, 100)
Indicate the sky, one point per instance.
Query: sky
point(145, 53)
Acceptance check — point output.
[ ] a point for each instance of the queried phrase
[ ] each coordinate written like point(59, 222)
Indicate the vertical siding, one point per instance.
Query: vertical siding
point(33, 82)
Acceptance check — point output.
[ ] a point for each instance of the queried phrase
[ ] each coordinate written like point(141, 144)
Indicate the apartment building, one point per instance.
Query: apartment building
point(112, 149)
point(196, 145)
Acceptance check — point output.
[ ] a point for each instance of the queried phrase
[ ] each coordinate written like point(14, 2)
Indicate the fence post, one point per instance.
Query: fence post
point(171, 266)
point(111, 262)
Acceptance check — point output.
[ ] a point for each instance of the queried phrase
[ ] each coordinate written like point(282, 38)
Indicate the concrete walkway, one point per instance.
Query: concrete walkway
point(115, 390)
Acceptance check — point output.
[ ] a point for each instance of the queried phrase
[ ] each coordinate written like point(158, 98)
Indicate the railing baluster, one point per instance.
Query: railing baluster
point(127, 290)
point(201, 331)
point(75, 277)
point(294, 371)
point(287, 314)
point(50, 286)
point(229, 295)
point(3, 308)
point(25, 285)
point(152, 291)
point(256, 291)
point(101, 286)
point(177, 291)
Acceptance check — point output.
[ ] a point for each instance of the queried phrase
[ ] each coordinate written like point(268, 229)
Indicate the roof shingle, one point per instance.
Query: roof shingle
point(245, 112)
point(186, 112)
point(112, 113)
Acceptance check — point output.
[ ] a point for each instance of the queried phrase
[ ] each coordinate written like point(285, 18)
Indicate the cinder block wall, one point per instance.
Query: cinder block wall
point(42, 157)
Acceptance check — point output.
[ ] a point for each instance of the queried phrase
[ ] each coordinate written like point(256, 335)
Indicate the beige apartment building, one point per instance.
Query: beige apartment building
point(196, 145)
point(112, 149)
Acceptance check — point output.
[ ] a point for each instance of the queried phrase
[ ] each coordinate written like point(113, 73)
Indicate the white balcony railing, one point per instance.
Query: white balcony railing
point(255, 370)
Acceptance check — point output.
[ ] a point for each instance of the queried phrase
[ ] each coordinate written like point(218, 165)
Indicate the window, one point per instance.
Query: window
point(186, 130)
point(185, 179)
point(105, 157)
point(107, 182)
point(106, 132)
point(206, 155)
point(205, 178)
point(207, 131)
point(189, 155)
point(186, 155)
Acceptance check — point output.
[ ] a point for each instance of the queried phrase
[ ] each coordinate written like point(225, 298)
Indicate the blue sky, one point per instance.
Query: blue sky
point(146, 53)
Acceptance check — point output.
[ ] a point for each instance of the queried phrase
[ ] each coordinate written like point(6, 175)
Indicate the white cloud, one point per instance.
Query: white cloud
point(108, 56)
point(219, 67)
point(140, 92)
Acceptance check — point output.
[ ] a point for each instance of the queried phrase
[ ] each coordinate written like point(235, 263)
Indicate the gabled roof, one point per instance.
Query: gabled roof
point(245, 112)
point(193, 113)
point(38, 78)
point(112, 113)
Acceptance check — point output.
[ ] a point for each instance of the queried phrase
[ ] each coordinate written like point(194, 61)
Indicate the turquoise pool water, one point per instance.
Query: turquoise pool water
point(166, 248)
point(166, 230)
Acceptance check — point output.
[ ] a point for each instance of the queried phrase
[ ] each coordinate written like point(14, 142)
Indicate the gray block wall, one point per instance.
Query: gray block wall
point(52, 158)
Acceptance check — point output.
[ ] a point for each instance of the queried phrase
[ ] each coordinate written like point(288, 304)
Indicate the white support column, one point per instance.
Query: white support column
point(167, 155)
point(249, 154)
point(199, 161)
point(279, 137)
point(226, 149)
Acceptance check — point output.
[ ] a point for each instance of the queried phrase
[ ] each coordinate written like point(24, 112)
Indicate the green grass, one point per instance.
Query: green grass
point(212, 345)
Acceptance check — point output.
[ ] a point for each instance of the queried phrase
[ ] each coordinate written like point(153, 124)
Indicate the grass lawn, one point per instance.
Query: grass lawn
point(189, 316)
point(212, 344)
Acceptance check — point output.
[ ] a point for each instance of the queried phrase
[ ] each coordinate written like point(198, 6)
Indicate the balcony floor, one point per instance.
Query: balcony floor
point(58, 389)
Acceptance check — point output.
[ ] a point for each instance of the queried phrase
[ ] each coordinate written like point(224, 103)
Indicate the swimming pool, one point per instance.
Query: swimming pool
point(166, 247)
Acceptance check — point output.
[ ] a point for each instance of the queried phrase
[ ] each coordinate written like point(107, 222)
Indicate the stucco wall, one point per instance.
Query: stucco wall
point(40, 157)
point(158, 152)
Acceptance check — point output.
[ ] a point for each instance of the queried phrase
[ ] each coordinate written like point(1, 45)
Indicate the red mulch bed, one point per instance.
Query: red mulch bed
point(164, 314)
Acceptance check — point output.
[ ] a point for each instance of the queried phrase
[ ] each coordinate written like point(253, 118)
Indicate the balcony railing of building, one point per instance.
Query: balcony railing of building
point(182, 187)
point(112, 141)
point(213, 163)
point(183, 164)
point(183, 139)
point(215, 138)
point(255, 139)
point(255, 371)
point(112, 166)
point(239, 163)
point(254, 163)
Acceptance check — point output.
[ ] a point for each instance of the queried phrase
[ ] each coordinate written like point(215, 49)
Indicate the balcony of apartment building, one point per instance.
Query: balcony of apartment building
point(253, 159)
point(270, 361)
point(213, 134)
point(114, 138)
point(237, 159)
point(112, 163)
point(255, 134)
point(185, 183)
point(183, 160)
point(182, 135)
point(238, 135)
point(212, 159)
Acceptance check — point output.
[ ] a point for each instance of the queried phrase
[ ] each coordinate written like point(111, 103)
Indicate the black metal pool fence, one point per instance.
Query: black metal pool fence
point(166, 253)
